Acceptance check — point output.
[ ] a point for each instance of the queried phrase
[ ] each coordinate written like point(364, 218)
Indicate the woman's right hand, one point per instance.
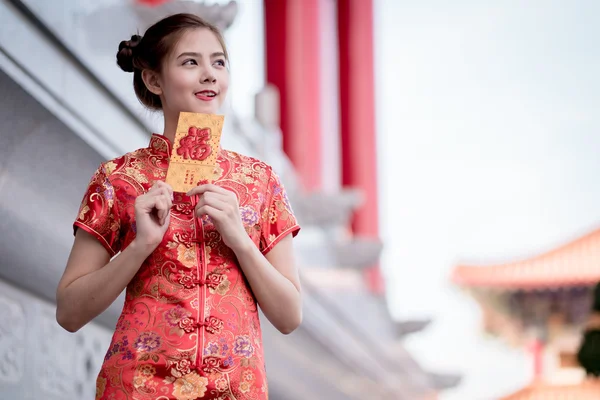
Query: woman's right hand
point(152, 216)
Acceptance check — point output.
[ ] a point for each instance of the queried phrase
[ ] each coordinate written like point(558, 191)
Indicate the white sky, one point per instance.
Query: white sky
point(487, 118)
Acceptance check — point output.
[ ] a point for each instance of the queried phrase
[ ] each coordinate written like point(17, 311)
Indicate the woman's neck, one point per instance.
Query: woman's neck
point(170, 128)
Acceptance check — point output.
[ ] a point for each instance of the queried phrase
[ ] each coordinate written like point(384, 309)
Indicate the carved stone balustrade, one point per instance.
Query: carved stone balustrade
point(327, 210)
point(358, 252)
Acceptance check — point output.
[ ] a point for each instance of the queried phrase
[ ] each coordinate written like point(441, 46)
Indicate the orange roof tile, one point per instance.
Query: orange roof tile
point(588, 390)
point(573, 264)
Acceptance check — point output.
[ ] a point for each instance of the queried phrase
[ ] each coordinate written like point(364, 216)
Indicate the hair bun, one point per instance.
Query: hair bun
point(125, 53)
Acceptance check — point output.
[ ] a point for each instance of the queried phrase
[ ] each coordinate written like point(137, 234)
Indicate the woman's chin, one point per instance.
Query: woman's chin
point(201, 109)
point(206, 108)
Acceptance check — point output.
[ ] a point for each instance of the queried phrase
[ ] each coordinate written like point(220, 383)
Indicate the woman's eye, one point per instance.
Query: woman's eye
point(220, 63)
point(190, 62)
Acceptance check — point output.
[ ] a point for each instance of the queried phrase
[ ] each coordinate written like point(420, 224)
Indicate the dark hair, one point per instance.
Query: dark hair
point(149, 51)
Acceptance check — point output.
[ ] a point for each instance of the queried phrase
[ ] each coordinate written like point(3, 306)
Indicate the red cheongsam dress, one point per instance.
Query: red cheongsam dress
point(189, 328)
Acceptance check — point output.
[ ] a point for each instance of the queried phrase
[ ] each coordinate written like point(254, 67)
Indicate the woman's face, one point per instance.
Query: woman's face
point(194, 76)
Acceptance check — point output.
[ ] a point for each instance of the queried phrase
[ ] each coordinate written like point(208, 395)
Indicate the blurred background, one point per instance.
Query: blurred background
point(440, 157)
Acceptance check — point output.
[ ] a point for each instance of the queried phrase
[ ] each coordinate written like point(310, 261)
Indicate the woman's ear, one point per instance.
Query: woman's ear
point(151, 81)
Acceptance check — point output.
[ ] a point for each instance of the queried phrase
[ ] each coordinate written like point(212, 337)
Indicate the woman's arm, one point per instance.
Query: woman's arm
point(274, 277)
point(275, 282)
point(90, 282)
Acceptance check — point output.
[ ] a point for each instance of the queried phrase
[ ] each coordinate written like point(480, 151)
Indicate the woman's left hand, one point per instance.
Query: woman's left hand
point(222, 206)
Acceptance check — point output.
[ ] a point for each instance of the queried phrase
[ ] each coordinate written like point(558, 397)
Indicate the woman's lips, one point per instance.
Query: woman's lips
point(206, 95)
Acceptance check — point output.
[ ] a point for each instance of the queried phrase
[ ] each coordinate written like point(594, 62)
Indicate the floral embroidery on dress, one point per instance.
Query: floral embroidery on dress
point(190, 387)
point(190, 327)
point(147, 341)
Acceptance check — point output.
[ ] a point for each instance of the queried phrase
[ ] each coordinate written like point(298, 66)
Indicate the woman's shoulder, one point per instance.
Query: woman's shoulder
point(246, 161)
point(133, 158)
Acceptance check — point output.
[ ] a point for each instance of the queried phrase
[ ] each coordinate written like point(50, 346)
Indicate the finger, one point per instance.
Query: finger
point(162, 192)
point(207, 188)
point(169, 200)
point(212, 212)
point(225, 210)
point(228, 197)
point(211, 196)
point(168, 204)
point(145, 202)
point(155, 188)
point(168, 196)
point(198, 190)
point(214, 200)
point(160, 187)
point(165, 186)
point(162, 209)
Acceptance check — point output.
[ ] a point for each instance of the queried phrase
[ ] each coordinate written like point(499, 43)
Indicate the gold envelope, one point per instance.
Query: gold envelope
point(195, 150)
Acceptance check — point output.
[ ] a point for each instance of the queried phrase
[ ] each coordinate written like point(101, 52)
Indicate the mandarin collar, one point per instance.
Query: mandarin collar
point(159, 144)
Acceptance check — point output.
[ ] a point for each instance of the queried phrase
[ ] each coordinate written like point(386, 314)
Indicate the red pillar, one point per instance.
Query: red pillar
point(357, 116)
point(536, 349)
point(293, 66)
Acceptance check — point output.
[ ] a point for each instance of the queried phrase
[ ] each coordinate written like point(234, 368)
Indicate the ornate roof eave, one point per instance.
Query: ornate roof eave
point(220, 15)
point(587, 390)
point(576, 263)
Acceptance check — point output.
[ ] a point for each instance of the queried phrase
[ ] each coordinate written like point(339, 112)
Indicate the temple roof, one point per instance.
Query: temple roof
point(221, 15)
point(576, 263)
point(588, 390)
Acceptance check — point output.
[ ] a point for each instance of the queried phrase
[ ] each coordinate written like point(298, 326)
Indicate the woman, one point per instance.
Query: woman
point(189, 328)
